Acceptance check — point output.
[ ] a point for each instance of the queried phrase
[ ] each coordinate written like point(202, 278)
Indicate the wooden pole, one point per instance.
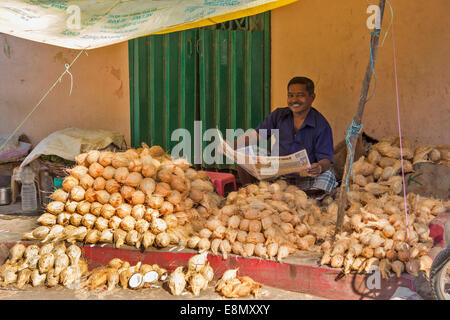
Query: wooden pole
point(358, 117)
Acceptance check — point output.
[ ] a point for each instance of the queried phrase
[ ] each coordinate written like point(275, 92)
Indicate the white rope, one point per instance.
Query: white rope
point(45, 95)
point(71, 78)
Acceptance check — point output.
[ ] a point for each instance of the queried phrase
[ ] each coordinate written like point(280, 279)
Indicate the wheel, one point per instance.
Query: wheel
point(440, 275)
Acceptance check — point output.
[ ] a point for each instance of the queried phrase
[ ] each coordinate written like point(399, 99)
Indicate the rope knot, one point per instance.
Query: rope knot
point(353, 131)
point(71, 78)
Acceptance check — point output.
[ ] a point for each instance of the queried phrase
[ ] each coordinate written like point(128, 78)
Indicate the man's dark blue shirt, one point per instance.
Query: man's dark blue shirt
point(314, 135)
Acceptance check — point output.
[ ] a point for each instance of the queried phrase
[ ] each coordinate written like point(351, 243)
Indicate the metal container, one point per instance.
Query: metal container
point(5, 196)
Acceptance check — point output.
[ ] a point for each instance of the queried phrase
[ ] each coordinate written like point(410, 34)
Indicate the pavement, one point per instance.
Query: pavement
point(160, 293)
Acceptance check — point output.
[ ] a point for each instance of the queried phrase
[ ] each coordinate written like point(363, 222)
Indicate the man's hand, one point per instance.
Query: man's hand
point(314, 170)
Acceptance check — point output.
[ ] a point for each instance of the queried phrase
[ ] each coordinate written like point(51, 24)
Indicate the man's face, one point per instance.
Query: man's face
point(299, 99)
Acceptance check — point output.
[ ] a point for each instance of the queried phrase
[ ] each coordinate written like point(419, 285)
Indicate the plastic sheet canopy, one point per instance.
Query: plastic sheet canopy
point(89, 24)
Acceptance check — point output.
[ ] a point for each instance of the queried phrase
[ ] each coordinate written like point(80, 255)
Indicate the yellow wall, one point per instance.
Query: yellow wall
point(100, 94)
point(328, 41)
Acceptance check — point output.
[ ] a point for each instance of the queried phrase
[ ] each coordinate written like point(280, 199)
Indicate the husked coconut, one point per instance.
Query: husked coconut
point(177, 281)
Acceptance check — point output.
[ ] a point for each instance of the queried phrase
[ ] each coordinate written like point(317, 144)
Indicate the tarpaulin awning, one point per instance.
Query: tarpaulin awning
point(89, 24)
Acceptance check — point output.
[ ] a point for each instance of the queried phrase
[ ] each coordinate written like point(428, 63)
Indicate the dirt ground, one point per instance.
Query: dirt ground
point(157, 293)
point(13, 227)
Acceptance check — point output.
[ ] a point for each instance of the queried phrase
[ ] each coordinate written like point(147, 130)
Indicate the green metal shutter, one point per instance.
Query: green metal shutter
point(219, 75)
point(163, 71)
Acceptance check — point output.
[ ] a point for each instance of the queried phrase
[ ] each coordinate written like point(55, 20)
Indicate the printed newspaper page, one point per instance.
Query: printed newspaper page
point(266, 167)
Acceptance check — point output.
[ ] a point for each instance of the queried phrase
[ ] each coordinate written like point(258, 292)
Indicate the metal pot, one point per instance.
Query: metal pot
point(5, 196)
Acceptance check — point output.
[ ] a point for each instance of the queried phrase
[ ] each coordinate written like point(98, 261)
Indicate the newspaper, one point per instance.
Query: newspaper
point(266, 167)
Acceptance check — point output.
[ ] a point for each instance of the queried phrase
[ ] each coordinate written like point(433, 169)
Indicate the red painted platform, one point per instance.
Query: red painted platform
point(299, 274)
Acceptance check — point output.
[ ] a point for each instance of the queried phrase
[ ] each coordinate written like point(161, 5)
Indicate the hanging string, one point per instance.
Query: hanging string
point(353, 131)
point(71, 78)
point(45, 95)
point(401, 145)
point(382, 43)
point(390, 24)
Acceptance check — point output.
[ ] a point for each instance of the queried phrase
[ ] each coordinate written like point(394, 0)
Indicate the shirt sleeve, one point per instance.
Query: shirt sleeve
point(324, 144)
point(265, 128)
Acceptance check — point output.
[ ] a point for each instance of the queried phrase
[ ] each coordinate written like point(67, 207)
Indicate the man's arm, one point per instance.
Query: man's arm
point(246, 139)
point(268, 124)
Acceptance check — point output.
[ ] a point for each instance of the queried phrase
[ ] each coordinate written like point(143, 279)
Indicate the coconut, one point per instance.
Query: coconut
point(121, 174)
point(59, 195)
point(128, 223)
point(107, 211)
point(114, 222)
point(81, 159)
point(112, 186)
point(120, 159)
point(90, 195)
point(162, 240)
point(116, 199)
point(77, 193)
point(133, 179)
point(69, 183)
point(108, 172)
point(88, 220)
point(55, 207)
point(95, 170)
point(103, 196)
point(137, 197)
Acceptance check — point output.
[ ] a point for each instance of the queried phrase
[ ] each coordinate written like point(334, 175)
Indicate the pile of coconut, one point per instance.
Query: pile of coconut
point(198, 274)
point(267, 220)
point(140, 197)
point(233, 286)
point(195, 276)
point(380, 172)
point(119, 272)
point(49, 265)
point(376, 234)
point(375, 231)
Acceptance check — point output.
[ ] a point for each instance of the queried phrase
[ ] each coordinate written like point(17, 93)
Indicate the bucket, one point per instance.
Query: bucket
point(5, 196)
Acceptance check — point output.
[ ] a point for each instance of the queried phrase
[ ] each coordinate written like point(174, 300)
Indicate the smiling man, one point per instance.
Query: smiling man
point(302, 127)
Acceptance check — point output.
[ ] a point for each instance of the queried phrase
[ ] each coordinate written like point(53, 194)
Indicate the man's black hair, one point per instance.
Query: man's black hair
point(303, 80)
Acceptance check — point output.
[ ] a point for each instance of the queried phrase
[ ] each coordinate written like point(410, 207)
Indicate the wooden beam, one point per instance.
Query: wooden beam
point(374, 37)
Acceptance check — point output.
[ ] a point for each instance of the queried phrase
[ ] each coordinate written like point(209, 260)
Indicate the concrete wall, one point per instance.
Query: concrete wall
point(100, 94)
point(325, 40)
point(328, 41)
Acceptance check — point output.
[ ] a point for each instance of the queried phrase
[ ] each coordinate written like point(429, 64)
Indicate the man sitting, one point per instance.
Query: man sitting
point(300, 127)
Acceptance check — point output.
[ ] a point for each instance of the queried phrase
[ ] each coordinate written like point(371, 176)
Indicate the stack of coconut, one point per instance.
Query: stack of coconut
point(376, 234)
point(438, 154)
point(233, 286)
point(380, 172)
point(49, 265)
point(121, 272)
point(264, 220)
point(140, 197)
point(195, 276)
point(198, 274)
point(375, 221)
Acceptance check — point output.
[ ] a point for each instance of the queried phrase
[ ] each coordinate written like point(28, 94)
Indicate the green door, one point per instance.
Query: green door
point(163, 77)
point(219, 75)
